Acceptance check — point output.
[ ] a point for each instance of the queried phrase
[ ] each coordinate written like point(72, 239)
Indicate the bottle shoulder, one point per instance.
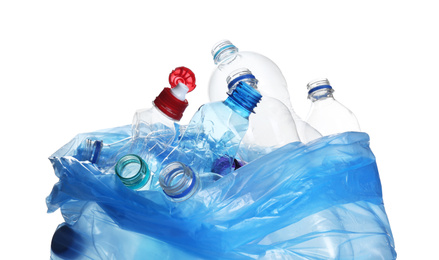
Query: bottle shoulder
point(330, 117)
point(220, 111)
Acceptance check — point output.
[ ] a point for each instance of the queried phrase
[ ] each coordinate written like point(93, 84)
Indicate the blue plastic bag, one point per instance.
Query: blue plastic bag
point(321, 200)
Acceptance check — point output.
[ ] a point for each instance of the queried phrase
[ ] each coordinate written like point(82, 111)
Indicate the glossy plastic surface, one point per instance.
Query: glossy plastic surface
point(326, 114)
point(320, 200)
point(271, 81)
point(170, 104)
point(215, 131)
point(178, 181)
point(133, 171)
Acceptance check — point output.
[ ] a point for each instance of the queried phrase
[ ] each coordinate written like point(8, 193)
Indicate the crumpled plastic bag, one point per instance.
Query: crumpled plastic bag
point(320, 200)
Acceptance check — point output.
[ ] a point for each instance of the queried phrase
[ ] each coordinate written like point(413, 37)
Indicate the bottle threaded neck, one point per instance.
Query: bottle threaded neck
point(243, 99)
point(242, 74)
point(132, 171)
point(318, 89)
point(171, 106)
point(178, 181)
point(92, 150)
point(223, 50)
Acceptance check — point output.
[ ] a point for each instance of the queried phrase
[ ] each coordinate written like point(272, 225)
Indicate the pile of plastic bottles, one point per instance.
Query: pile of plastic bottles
point(246, 178)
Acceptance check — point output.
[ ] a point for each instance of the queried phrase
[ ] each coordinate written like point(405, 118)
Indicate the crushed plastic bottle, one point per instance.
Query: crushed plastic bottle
point(271, 84)
point(156, 128)
point(272, 125)
point(215, 132)
point(326, 114)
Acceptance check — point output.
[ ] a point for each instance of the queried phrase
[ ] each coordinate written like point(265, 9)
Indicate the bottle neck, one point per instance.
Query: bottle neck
point(169, 105)
point(132, 171)
point(242, 74)
point(243, 99)
point(178, 181)
point(320, 90)
point(223, 51)
point(92, 150)
point(321, 94)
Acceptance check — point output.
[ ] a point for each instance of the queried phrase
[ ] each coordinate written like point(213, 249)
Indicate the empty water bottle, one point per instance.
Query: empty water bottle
point(271, 84)
point(215, 131)
point(228, 58)
point(326, 114)
point(154, 129)
point(272, 125)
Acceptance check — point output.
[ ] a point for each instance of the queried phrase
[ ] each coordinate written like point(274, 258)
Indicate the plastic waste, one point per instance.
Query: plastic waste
point(320, 200)
point(271, 126)
point(179, 182)
point(94, 235)
point(271, 83)
point(215, 132)
point(228, 59)
point(156, 128)
point(326, 114)
point(168, 107)
point(97, 150)
point(133, 172)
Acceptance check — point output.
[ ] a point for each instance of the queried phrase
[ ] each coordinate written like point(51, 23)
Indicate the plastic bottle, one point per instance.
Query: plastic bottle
point(272, 125)
point(98, 152)
point(215, 131)
point(168, 107)
point(179, 182)
point(156, 128)
point(271, 84)
point(89, 150)
point(326, 114)
point(133, 172)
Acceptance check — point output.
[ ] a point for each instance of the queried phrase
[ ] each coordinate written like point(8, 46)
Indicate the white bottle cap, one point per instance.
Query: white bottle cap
point(180, 91)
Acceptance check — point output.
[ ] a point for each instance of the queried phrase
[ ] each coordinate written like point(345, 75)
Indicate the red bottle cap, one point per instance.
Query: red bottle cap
point(182, 75)
point(167, 102)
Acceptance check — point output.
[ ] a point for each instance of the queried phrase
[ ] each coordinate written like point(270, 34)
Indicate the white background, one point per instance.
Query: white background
point(68, 67)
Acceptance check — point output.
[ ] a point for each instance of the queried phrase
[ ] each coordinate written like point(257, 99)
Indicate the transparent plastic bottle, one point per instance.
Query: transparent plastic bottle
point(167, 108)
point(271, 84)
point(272, 125)
point(326, 114)
point(89, 150)
point(215, 131)
point(179, 182)
point(98, 152)
point(133, 172)
point(156, 128)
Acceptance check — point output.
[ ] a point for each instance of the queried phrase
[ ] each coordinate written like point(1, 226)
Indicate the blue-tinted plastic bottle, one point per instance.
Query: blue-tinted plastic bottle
point(272, 125)
point(215, 132)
